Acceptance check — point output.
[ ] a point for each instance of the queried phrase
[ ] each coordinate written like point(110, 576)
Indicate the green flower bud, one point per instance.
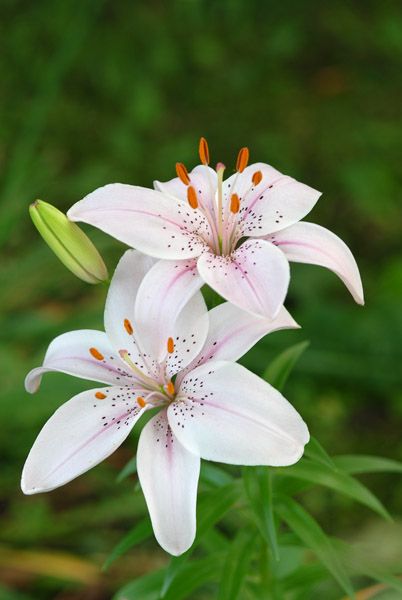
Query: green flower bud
point(68, 242)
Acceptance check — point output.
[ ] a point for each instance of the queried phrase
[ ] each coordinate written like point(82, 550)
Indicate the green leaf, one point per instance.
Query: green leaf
point(304, 577)
point(213, 505)
point(143, 588)
point(280, 368)
point(339, 481)
point(310, 532)
point(259, 489)
point(358, 463)
point(129, 469)
point(174, 567)
point(139, 533)
point(236, 565)
point(214, 475)
point(194, 575)
point(316, 452)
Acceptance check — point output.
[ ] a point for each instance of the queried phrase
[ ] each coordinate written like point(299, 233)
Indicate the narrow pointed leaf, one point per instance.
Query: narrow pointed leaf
point(310, 532)
point(236, 566)
point(316, 452)
point(214, 505)
point(214, 475)
point(129, 469)
point(280, 368)
point(175, 566)
point(338, 481)
point(194, 575)
point(355, 463)
point(143, 588)
point(141, 532)
point(258, 485)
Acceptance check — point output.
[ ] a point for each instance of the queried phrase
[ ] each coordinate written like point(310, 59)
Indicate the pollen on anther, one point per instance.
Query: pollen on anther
point(100, 395)
point(170, 345)
point(182, 173)
point(234, 203)
point(242, 159)
point(192, 197)
point(257, 177)
point(141, 402)
point(170, 387)
point(128, 327)
point(96, 354)
point(203, 151)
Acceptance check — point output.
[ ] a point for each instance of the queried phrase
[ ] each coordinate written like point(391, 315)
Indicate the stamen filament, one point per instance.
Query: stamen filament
point(144, 378)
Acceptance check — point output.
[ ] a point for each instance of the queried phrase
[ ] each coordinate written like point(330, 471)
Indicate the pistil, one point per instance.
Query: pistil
point(126, 357)
point(220, 169)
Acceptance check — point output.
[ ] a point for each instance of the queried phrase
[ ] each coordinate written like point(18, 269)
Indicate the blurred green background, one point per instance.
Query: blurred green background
point(95, 92)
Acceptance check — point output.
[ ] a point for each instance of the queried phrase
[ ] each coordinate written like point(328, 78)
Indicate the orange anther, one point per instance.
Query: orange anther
point(141, 402)
point(96, 354)
point(257, 177)
point(242, 159)
point(170, 345)
point(182, 173)
point(170, 387)
point(203, 151)
point(192, 197)
point(234, 203)
point(128, 327)
point(100, 396)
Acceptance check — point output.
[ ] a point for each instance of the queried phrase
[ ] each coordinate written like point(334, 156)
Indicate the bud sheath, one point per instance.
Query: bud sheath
point(68, 242)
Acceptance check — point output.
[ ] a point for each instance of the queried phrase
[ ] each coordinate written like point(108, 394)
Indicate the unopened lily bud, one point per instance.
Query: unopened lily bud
point(68, 242)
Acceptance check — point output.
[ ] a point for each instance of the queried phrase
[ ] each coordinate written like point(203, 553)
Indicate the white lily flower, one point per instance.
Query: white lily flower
point(180, 360)
point(235, 235)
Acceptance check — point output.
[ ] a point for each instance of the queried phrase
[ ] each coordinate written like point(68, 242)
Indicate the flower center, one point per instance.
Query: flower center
point(223, 214)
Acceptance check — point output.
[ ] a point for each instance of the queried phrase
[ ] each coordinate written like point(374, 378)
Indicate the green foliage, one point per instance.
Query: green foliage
point(236, 566)
point(280, 368)
point(95, 92)
point(314, 537)
point(139, 533)
point(318, 474)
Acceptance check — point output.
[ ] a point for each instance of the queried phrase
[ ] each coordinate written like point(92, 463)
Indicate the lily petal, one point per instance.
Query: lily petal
point(81, 433)
point(273, 204)
point(148, 220)
point(255, 277)
point(202, 178)
point(85, 353)
point(232, 332)
point(310, 243)
point(189, 334)
point(225, 413)
point(120, 324)
point(161, 297)
point(168, 475)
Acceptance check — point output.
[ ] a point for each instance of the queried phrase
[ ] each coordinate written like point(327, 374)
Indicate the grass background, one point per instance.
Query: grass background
point(94, 92)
